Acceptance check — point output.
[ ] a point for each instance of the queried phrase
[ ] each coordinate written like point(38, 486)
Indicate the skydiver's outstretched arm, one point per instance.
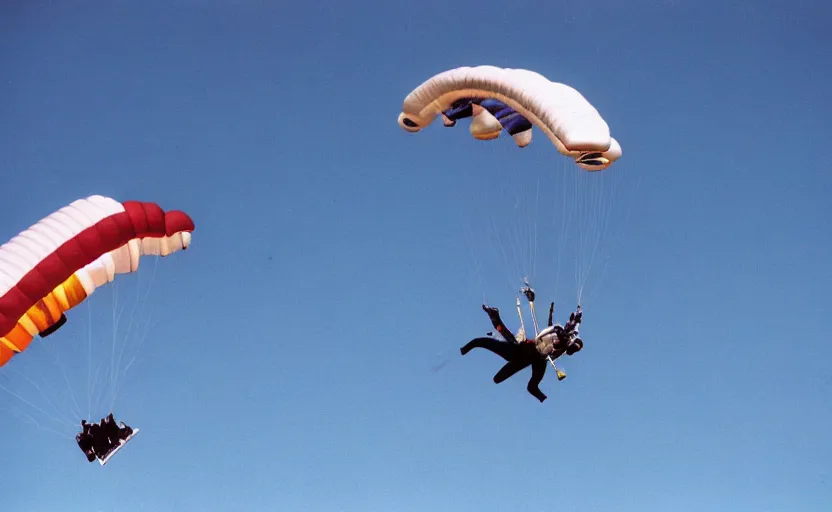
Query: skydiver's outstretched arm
point(551, 310)
point(497, 322)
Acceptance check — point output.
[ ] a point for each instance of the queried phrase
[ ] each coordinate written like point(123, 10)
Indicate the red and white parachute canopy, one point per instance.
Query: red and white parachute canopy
point(57, 263)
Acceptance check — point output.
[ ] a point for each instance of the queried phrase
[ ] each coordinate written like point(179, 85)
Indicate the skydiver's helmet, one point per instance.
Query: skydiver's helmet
point(574, 346)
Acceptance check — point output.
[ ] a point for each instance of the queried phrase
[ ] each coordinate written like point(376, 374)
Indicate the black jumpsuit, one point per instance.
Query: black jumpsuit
point(517, 355)
point(85, 442)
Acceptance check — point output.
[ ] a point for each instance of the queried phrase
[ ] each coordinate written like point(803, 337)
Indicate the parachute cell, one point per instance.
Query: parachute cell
point(514, 100)
point(57, 263)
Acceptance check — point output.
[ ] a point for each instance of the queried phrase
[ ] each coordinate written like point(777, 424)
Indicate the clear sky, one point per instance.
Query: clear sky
point(292, 365)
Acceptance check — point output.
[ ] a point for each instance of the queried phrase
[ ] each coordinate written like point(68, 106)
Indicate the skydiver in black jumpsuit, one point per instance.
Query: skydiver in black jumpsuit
point(100, 444)
point(517, 355)
point(85, 441)
point(99, 439)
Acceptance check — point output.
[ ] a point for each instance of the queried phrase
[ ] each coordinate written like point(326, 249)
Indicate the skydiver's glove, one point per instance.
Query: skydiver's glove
point(528, 292)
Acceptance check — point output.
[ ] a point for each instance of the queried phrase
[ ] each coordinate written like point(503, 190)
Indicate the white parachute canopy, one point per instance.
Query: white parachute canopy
point(514, 100)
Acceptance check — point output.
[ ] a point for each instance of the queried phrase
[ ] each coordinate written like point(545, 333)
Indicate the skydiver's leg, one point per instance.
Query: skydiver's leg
point(503, 349)
point(538, 370)
point(497, 322)
point(510, 368)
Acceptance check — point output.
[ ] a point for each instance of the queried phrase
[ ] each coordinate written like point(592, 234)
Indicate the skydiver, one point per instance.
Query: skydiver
point(112, 430)
point(568, 336)
point(85, 441)
point(517, 355)
point(100, 444)
point(125, 430)
point(550, 344)
point(116, 431)
point(100, 439)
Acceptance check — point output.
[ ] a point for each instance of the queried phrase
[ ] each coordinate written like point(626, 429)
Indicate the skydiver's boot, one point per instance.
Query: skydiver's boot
point(535, 392)
point(492, 312)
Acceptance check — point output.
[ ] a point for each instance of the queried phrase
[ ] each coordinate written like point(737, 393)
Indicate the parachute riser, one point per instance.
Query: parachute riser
point(528, 292)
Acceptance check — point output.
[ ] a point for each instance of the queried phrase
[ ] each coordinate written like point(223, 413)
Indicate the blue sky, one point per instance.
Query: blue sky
point(291, 365)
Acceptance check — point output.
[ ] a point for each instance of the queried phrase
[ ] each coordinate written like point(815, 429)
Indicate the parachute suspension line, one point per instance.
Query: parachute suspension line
point(126, 339)
point(66, 379)
point(57, 416)
point(519, 237)
point(586, 214)
point(89, 360)
point(614, 193)
point(509, 211)
point(580, 221)
point(59, 412)
point(103, 368)
point(506, 266)
point(498, 231)
point(521, 219)
point(599, 205)
point(94, 391)
point(31, 419)
point(565, 220)
point(116, 321)
point(476, 260)
point(146, 332)
point(580, 234)
point(565, 224)
point(121, 375)
point(141, 340)
point(531, 267)
point(494, 199)
point(598, 231)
